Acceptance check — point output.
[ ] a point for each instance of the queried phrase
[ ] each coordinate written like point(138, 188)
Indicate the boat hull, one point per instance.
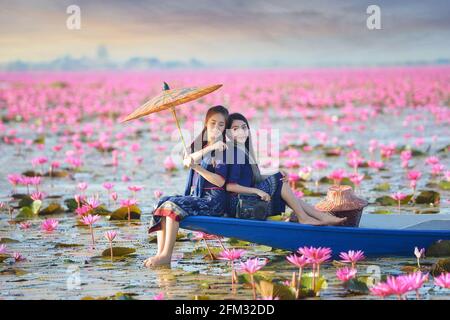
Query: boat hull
point(291, 236)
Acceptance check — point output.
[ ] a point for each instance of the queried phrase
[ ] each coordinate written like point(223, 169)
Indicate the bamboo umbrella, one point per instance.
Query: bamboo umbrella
point(169, 99)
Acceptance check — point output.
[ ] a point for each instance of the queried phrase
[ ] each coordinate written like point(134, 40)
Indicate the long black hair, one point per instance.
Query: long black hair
point(202, 139)
point(248, 144)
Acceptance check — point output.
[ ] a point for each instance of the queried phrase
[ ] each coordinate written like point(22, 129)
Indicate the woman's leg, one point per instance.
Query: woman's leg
point(171, 231)
point(306, 213)
point(161, 236)
point(291, 200)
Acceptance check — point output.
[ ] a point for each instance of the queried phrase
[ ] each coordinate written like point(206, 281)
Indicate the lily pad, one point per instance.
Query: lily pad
point(31, 173)
point(25, 202)
point(441, 266)
point(13, 272)
point(426, 211)
point(57, 174)
point(270, 289)
point(357, 286)
point(3, 257)
point(444, 185)
point(388, 201)
point(118, 251)
point(8, 240)
point(122, 213)
point(67, 245)
point(25, 213)
point(275, 218)
point(381, 211)
point(382, 187)
point(53, 208)
point(36, 206)
point(71, 204)
point(306, 284)
point(238, 243)
point(440, 248)
point(428, 197)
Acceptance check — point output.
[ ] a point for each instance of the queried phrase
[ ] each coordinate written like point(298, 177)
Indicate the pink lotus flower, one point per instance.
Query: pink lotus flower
point(406, 155)
point(398, 196)
point(231, 255)
point(432, 160)
point(18, 257)
point(437, 169)
point(93, 202)
point(356, 178)
point(377, 165)
point(89, 220)
point(157, 194)
point(381, 289)
point(169, 165)
point(251, 266)
point(414, 281)
point(443, 280)
point(25, 225)
point(337, 175)
point(82, 186)
point(83, 210)
point(49, 225)
point(320, 164)
point(345, 274)
point(110, 236)
point(128, 203)
point(159, 296)
point(2, 248)
point(37, 195)
point(316, 256)
point(300, 262)
point(352, 257)
point(414, 175)
point(108, 186)
point(135, 188)
point(398, 286)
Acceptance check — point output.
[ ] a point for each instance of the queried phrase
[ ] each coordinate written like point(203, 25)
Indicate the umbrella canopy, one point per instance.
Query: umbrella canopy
point(170, 98)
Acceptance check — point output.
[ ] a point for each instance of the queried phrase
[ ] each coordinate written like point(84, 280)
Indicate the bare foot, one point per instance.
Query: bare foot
point(312, 222)
point(160, 260)
point(331, 220)
point(148, 261)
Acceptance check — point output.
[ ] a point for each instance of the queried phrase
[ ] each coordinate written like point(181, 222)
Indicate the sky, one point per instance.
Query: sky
point(228, 32)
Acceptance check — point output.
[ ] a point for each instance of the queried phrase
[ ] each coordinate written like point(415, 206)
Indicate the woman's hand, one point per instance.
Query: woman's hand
point(188, 162)
point(285, 176)
point(219, 146)
point(264, 196)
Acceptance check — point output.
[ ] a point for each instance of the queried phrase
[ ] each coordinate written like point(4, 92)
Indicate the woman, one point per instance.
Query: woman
point(205, 189)
point(244, 177)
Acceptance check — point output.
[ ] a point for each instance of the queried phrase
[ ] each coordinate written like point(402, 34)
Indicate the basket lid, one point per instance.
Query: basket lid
point(341, 198)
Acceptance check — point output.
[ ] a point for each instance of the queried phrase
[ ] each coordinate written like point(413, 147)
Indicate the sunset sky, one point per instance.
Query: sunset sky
point(228, 32)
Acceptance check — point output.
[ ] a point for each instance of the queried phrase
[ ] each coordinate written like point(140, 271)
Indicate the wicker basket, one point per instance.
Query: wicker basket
point(342, 202)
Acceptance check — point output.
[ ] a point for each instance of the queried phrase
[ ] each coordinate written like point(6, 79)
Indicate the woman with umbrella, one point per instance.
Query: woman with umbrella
point(204, 193)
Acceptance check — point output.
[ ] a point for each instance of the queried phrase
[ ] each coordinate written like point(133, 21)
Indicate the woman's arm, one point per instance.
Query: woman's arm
point(214, 178)
point(237, 188)
point(198, 155)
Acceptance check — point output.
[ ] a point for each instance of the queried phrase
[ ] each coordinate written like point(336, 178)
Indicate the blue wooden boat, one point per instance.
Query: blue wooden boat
point(290, 236)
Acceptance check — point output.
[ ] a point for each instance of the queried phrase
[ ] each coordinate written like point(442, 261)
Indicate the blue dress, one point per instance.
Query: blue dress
point(240, 172)
point(200, 196)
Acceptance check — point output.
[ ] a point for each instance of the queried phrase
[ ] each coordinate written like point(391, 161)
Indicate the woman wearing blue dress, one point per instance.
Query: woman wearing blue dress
point(204, 193)
point(244, 177)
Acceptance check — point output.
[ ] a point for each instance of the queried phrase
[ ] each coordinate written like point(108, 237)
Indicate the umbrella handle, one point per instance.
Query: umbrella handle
point(179, 129)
